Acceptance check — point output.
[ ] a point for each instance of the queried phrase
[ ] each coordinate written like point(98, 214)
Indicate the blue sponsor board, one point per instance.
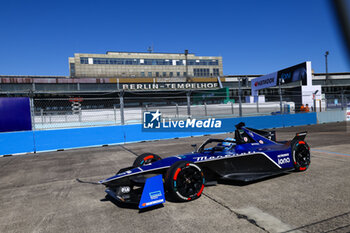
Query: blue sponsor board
point(153, 192)
point(288, 75)
point(15, 114)
point(293, 74)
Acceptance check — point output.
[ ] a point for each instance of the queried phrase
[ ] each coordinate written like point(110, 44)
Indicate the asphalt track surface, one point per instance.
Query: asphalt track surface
point(57, 192)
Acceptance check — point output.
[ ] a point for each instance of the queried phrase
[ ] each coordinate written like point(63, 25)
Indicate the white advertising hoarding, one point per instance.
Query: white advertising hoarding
point(269, 80)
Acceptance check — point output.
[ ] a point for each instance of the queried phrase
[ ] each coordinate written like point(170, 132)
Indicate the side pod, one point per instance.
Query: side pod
point(153, 192)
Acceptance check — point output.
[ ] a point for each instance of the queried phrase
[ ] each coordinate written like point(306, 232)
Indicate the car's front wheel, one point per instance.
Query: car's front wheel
point(184, 181)
point(301, 156)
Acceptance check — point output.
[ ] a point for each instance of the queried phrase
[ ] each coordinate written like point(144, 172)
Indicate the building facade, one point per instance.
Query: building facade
point(129, 64)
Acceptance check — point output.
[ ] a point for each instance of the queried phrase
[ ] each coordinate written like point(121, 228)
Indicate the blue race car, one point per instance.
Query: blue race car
point(251, 155)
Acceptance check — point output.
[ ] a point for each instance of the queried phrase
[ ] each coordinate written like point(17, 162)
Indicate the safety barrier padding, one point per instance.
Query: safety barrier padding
point(48, 140)
point(16, 142)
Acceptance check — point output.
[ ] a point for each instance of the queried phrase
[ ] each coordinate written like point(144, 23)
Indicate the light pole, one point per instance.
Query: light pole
point(326, 59)
point(280, 81)
point(314, 99)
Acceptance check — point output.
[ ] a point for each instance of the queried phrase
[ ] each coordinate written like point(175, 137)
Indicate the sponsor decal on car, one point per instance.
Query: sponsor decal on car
point(152, 202)
point(204, 158)
point(283, 161)
point(283, 158)
point(155, 195)
point(283, 155)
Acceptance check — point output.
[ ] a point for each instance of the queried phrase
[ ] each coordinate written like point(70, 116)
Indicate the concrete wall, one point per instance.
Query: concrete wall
point(331, 116)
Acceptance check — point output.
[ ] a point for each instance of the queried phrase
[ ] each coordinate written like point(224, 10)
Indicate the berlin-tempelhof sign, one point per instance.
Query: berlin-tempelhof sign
point(156, 86)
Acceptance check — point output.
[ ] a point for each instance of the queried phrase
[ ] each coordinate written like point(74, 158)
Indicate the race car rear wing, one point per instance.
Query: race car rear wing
point(299, 137)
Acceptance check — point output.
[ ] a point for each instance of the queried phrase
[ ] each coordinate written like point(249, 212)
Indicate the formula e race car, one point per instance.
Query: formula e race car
point(251, 155)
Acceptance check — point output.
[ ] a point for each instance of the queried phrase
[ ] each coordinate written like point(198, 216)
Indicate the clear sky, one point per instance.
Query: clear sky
point(252, 36)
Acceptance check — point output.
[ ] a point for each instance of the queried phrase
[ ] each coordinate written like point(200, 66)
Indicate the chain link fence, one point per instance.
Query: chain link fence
point(85, 112)
point(336, 100)
point(75, 112)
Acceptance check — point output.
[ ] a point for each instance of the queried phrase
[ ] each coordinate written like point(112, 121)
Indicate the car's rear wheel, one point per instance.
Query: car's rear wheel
point(146, 158)
point(301, 156)
point(184, 181)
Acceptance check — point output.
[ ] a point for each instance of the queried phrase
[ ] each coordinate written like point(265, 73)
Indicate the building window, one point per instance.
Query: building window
point(72, 69)
point(201, 72)
point(178, 74)
point(164, 74)
point(170, 74)
point(185, 74)
point(216, 72)
point(84, 60)
point(141, 61)
point(179, 63)
point(149, 74)
point(157, 74)
point(142, 74)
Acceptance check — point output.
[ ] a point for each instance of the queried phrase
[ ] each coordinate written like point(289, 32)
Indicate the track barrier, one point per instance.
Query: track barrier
point(61, 139)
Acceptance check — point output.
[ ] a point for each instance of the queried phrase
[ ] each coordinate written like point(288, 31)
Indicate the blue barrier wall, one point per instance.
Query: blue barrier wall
point(46, 140)
point(16, 142)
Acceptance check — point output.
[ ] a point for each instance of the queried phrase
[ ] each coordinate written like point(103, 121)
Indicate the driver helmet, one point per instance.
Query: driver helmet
point(229, 143)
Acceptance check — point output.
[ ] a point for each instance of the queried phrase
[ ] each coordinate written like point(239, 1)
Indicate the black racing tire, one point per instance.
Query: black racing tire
point(184, 181)
point(301, 156)
point(145, 158)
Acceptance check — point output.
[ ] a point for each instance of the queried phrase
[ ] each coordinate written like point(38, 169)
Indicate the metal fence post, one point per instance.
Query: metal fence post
point(32, 116)
point(205, 108)
point(115, 113)
point(240, 96)
point(342, 100)
point(121, 99)
point(188, 103)
point(32, 113)
point(42, 115)
point(232, 109)
point(80, 115)
point(177, 110)
point(280, 93)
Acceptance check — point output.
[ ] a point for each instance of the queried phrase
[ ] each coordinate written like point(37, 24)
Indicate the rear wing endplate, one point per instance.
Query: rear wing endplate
point(299, 137)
